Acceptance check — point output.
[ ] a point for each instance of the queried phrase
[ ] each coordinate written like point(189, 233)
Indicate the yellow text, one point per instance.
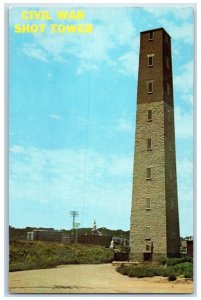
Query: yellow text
point(25, 28)
point(80, 28)
point(36, 15)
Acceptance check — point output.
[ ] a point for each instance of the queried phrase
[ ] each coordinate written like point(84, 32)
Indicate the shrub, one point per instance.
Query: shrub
point(188, 274)
point(139, 271)
point(162, 260)
point(176, 261)
point(28, 255)
point(182, 269)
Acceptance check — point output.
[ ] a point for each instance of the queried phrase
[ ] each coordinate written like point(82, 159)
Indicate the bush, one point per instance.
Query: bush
point(162, 260)
point(184, 269)
point(140, 271)
point(188, 274)
point(29, 255)
point(176, 261)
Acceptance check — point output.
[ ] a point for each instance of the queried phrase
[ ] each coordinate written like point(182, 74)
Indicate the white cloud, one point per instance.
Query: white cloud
point(55, 117)
point(32, 50)
point(124, 125)
point(121, 166)
point(180, 13)
point(113, 29)
point(183, 84)
point(188, 98)
point(182, 31)
point(81, 179)
point(185, 168)
point(183, 124)
point(82, 121)
point(185, 194)
point(175, 51)
point(185, 182)
point(86, 67)
point(128, 63)
point(183, 79)
point(17, 149)
point(180, 27)
point(53, 45)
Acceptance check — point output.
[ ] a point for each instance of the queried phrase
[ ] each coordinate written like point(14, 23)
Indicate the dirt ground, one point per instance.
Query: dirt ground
point(80, 279)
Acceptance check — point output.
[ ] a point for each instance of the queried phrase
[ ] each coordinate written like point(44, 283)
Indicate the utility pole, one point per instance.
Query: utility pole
point(74, 214)
point(76, 229)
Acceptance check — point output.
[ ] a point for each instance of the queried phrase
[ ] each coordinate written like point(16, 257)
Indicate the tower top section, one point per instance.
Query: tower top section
point(155, 67)
point(156, 29)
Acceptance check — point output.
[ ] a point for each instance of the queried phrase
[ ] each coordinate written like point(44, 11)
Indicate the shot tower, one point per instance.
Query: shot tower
point(154, 216)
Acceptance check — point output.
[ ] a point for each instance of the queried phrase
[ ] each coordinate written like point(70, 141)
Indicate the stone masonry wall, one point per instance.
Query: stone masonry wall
point(173, 236)
point(154, 188)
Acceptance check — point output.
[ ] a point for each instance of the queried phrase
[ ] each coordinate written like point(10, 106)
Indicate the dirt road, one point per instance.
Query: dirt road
point(90, 279)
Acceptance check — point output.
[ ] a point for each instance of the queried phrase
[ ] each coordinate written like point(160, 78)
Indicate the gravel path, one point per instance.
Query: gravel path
point(90, 279)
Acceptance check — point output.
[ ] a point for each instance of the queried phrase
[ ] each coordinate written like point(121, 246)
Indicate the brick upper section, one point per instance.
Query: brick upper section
point(159, 73)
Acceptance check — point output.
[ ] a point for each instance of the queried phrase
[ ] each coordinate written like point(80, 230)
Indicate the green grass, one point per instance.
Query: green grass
point(173, 268)
point(29, 255)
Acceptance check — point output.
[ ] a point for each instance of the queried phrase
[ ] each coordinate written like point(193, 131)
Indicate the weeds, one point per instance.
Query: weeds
point(27, 255)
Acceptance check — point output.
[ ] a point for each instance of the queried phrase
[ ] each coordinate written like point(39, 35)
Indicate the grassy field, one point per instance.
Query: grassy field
point(171, 268)
point(29, 255)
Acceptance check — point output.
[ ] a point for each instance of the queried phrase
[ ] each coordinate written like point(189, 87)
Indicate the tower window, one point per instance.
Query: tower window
point(149, 146)
point(148, 203)
point(150, 86)
point(151, 35)
point(147, 233)
point(171, 204)
point(168, 89)
point(147, 247)
point(173, 236)
point(150, 58)
point(149, 115)
point(167, 60)
point(148, 173)
point(168, 116)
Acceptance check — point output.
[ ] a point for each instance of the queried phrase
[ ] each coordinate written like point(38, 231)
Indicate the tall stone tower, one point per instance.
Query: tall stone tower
point(154, 215)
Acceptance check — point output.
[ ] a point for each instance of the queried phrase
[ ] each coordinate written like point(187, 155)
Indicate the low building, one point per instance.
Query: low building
point(183, 247)
point(48, 235)
point(94, 239)
point(190, 248)
point(187, 247)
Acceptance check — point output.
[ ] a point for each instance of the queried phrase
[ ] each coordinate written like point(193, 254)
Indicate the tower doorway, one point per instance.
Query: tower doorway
point(147, 257)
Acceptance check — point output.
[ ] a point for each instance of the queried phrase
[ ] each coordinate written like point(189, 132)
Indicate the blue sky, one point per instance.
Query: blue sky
point(72, 110)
